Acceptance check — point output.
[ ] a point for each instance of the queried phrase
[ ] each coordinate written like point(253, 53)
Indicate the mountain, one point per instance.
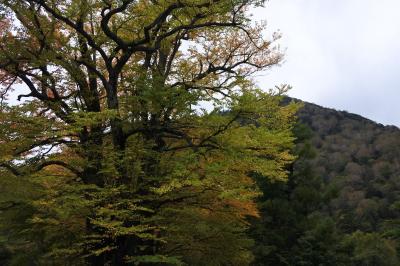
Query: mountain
point(341, 204)
point(362, 158)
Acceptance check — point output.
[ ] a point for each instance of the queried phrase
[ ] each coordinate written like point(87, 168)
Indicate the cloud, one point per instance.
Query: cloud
point(340, 53)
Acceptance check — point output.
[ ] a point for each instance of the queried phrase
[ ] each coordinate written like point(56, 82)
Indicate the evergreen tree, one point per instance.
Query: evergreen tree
point(292, 229)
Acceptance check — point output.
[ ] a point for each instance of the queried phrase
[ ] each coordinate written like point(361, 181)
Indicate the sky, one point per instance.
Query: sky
point(342, 54)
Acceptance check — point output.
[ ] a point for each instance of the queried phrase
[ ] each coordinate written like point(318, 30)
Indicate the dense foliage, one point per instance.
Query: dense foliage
point(109, 158)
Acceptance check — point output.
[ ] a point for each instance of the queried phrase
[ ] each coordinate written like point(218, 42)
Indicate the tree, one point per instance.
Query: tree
point(293, 229)
point(370, 249)
point(121, 162)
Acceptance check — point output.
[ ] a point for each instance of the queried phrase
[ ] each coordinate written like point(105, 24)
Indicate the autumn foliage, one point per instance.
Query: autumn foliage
point(136, 131)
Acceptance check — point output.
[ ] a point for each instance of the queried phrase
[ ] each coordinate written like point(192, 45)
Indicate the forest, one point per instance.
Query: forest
point(340, 204)
point(132, 132)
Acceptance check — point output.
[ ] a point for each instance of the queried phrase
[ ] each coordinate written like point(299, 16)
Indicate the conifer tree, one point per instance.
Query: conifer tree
point(293, 229)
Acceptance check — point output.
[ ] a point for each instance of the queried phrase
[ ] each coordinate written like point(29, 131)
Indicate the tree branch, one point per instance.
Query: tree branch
point(10, 168)
point(60, 163)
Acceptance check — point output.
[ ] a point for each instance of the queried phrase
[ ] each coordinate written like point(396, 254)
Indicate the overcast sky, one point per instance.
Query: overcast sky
point(343, 54)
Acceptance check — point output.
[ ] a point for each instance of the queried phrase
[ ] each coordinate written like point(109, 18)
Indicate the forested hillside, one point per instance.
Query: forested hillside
point(362, 159)
point(341, 204)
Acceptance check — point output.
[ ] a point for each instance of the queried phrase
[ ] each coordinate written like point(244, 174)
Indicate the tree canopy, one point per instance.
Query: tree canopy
point(137, 131)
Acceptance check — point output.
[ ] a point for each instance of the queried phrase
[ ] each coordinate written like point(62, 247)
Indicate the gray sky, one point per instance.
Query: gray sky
point(343, 54)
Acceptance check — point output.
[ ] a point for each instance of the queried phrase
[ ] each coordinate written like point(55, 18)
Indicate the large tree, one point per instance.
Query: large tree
point(136, 132)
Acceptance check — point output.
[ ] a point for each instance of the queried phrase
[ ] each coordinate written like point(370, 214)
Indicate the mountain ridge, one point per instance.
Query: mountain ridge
point(352, 115)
